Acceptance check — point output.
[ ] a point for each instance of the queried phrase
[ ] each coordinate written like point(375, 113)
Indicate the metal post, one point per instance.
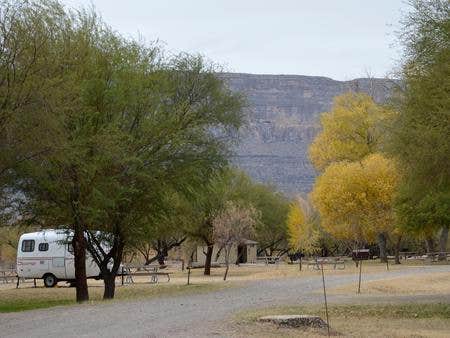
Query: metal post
point(325, 298)
point(300, 263)
point(359, 282)
point(122, 274)
point(189, 274)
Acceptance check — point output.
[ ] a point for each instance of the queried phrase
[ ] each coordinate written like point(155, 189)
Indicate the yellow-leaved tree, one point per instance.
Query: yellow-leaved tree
point(350, 131)
point(355, 199)
point(350, 142)
point(302, 230)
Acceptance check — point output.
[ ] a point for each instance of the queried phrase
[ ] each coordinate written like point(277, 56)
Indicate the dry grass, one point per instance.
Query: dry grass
point(275, 271)
point(365, 327)
point(400, 320)
point(27, 297)
point(423, 284)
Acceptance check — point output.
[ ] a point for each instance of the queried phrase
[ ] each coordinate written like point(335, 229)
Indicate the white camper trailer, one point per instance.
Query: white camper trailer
point(48, 254)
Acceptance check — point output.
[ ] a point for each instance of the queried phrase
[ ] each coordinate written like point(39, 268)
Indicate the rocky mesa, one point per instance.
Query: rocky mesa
point(284, 113)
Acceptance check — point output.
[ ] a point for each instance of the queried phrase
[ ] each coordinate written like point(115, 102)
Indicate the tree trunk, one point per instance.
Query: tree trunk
point(227, 263)
point(209, 253)
point(443, 244)
point(79, 251)
point(104, 260)
point(429, 241)
point(162, 251)
point(397, 249)
point(161, 258)
point(382, 246)
point(109, 280)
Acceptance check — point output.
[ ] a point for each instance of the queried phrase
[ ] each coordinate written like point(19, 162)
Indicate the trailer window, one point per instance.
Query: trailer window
point(28, 245)
point(43, 247)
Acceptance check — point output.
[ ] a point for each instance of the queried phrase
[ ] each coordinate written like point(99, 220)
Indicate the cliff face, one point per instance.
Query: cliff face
point(284, 115)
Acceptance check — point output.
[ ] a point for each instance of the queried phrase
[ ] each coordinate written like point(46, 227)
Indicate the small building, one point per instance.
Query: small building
point(242, 253)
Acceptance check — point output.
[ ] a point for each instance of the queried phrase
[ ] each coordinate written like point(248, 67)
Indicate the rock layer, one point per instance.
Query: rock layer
point(284, 113)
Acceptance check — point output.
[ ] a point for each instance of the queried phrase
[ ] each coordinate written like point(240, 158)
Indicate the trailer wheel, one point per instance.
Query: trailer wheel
point(50, 280)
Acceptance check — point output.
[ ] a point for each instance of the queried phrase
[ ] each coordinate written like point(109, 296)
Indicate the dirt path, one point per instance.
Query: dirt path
point(185, 316)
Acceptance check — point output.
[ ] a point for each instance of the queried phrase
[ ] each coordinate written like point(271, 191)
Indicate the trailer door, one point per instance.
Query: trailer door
point(42, 258)
point(69, 260)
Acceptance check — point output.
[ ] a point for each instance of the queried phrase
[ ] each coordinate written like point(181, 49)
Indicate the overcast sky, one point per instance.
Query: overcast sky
point(341, 39)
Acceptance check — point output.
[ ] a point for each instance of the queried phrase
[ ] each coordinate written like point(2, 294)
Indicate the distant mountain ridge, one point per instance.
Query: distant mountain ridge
point(284, 115)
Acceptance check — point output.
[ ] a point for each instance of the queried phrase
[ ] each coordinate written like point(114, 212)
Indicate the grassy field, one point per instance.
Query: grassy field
point(387, 320)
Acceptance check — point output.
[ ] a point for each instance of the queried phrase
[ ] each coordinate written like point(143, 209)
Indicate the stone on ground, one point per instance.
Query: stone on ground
point(295, 320)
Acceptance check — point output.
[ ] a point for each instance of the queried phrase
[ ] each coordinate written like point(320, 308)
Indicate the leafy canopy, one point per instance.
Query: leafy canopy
point(355, 198)
point(420, 134)
point(352, 130)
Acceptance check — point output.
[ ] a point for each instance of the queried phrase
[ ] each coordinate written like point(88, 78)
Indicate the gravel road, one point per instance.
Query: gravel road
point(196, 315)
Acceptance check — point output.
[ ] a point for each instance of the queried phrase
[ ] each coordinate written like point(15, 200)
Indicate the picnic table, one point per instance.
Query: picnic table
point(428, 257)
point(8, 275)
point(269, 259)
point(336, 262)
point(153, 271)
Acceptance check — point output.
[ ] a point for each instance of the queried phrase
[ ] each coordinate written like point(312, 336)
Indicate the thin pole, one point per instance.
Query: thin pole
point(359, 282)
point(189, 274)
point(325, 297)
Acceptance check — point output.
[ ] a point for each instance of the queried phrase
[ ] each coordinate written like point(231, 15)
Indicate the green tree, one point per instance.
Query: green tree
point(126, 126)
point(419, 137)
point(30, 55)
point(164, 231)
point(234, 186)
point(45, 111)
point(208, 200)
point(270, 230)
point(171, 146)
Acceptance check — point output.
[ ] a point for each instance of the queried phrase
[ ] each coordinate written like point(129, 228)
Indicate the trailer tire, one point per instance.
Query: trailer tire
point(50, 280)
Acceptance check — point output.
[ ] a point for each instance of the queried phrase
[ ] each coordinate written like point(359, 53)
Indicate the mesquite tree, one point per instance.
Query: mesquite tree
point(169, 143)
point(161, 232)
point(124, 126)
point(419, 136)
point(208, 200)
point(46, 82)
